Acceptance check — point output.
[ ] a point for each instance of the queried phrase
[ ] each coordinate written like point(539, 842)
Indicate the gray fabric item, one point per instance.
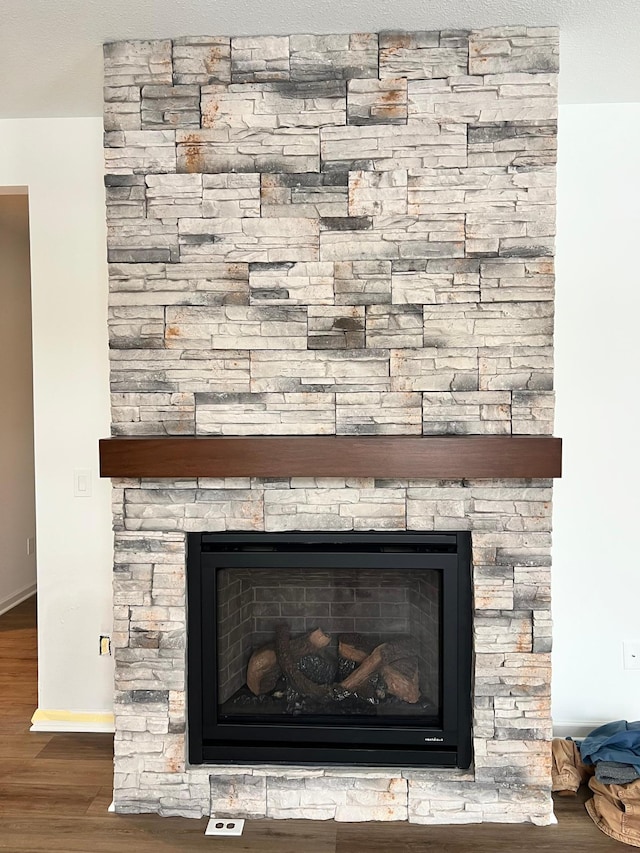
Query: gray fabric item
point(616, 773)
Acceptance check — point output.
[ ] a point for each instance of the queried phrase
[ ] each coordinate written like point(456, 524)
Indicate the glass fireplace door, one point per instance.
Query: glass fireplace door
point(328, 645)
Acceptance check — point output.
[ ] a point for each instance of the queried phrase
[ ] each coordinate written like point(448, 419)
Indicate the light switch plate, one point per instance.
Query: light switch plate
point(82, 482)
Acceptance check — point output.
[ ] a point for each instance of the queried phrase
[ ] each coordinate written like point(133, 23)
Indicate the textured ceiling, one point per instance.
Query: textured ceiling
point(51, 57)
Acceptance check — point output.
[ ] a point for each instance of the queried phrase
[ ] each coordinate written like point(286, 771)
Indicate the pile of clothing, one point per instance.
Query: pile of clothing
point(610, 759)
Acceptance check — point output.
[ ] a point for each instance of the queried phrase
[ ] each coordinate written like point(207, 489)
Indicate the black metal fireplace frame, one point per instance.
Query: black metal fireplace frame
point(448, 744)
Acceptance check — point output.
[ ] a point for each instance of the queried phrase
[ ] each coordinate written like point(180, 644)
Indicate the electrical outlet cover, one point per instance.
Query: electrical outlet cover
point(224, 826)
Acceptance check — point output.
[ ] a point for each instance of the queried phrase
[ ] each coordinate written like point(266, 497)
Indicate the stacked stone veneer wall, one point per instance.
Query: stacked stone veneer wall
point(333, 234)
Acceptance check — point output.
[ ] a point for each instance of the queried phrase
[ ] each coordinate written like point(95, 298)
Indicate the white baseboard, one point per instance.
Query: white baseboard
point(72, 721)
point(17, 598)
point(576, 728)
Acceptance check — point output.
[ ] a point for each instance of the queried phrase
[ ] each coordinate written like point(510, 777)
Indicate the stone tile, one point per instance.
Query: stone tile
point(320, 370)
point(140, 152)
point(240, 796)
point(512, 509)
point(421, 145)
point(423, 55)
point(517, 279)
point(170, 106)
point(307, 195)
point(231, 195)
point(362, 282)
point(434, 369)
point(378, 193)
point(137, 63)
point(337, 509)
point(265, 414)
point(533, 412)
point(532, 585)
point(248, 240)
point(515, 368)
point(137, 370)
point(346, 223)
point(506, 228)
point(505, 50)
point(492, 98)
point(489, 325)
point(397, 237)
point(290, 149)
point(236, 327)
point(291, 283)
point(259, 58)
point(394, 326)
point(438, 508)
point(511, 548)
point(336, 328)
point(125, 197)
point(377, 101)
point(518, 143)
point(474, 189)
point(122, 108)
point(189, 510)
point(511, 632)
point(378, 413)
point(527, 761)
point(173, 196)
point(142, 241)
point(467, 412)
point(179, 284)
point(542, 634)
point(201, 60)
point(493, 588)
point(153, 414)
point(267, 106)
point(435, 282)
point(383, 799)
point(342, 57)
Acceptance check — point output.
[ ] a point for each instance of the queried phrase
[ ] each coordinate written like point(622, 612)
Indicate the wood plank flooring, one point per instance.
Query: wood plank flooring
point(55, 790)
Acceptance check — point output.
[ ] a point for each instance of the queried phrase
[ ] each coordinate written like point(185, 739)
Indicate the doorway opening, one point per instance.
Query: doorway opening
point(17, 484)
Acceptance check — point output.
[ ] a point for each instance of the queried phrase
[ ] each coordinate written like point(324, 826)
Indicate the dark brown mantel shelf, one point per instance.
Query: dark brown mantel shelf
point(391, 457)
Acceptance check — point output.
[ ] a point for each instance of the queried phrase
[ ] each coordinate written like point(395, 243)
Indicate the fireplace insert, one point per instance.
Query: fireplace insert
point(329, 648)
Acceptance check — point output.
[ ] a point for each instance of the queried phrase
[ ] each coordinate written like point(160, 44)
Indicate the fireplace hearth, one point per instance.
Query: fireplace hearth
point(328, 648)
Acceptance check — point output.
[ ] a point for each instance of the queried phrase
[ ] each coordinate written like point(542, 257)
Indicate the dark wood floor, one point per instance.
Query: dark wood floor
point(55, 790)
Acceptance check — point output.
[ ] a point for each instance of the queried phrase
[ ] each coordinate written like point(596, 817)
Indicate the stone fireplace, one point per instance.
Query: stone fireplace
point(346, 235)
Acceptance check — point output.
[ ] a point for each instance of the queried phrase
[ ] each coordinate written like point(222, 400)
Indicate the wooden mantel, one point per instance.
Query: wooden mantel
point(403, 457)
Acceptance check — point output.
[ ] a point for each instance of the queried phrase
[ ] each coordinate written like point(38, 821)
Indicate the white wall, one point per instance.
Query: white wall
point(17, 499)
point(596, 584)
point(60, 161)
point(596, 562)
